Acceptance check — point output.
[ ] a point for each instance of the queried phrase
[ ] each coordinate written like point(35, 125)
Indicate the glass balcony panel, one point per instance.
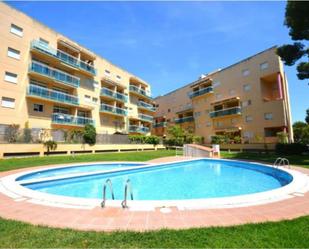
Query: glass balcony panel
point(115, 95)
point(64, 57)
point(138, 129)
point(160, 124)
point(43, 92)
point(146, 105)
point(184, 119)
point(55, 74)
point(59, 118)
point(145, 117)
point(201, 92)
point(112, 109)
point(225, 112)
point(140, 91)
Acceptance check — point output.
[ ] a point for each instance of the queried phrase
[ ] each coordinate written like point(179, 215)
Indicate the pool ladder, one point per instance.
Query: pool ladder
point(108, 182)
point(127, 188)
point(281, 161)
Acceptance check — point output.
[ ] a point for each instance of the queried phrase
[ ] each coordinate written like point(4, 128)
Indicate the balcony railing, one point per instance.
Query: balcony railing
point(225, 112)
point(112, 94)
point(54, 74)
point(160, 124)
point(147, 106)
point(45, 93)
point(184, 119)
point(138, 129)
point(65, 119)
point(145, 117)
point(113, 109)
point(140, 91)
point(201, 92)
point(63, 56)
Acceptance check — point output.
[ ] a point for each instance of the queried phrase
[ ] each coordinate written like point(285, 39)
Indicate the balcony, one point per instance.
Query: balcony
point(62, 56)
point(144, 117)
point(226, 112)
point(113, 95)
point(160, 124)
point(138, 129)
point(146, 106)
point(65, 119)
point(113, 110)
point(55, 74)
point(49, 94)
point(201, 92)
point(139, 91)
point(184, 120)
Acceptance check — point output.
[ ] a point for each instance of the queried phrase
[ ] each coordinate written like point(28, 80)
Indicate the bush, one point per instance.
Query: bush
point(219, 139)
point(27, 135)
point(12, 133)
point(89, 134)
point(282, 137)
point(291, 149)
point(50, 145)
point(198, 139)
point(152, 140)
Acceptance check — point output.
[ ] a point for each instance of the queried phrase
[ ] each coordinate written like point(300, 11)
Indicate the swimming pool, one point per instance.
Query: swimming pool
point(195, 183)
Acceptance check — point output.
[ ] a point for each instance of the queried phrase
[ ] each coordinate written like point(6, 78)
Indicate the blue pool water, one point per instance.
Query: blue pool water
point(178, 181)
point(75, 169)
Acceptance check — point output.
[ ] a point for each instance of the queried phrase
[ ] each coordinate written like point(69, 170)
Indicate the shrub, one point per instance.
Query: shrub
point(152, 140)
point(50, 145)
point(237, 140)
point(198, 139)
point(89, 134)
point(291, 149)
point(219, 139)
point(27, 135)
point(282, 137)
point(12, 133)
point(137, 139)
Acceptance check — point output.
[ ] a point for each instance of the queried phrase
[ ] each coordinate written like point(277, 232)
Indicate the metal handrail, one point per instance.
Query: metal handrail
point(124, 203)
point(109, 183)
point(281, 161)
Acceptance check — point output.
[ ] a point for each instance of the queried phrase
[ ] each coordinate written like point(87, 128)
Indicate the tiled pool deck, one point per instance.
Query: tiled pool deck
point(110, 219)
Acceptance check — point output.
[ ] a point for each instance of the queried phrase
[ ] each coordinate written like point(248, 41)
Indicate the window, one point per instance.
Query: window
point(38, 108)
point(219, 124)
point(232, 92)
point(94, 100)
point(264, 65)
point(59, 109)
point(44, 42)
point(246, 103)
point(206, 112)
point(118, 77)
point(10, 77)
point(233, 121)
point(16, 30)
point(208, 124)
point(245, 72)
point(216, 84)
point(268, 116)
point(107, 72)
point(197, 114)
point(247, 87)
point(248, 134)
point(249, 118)
point(198, 126)
point(168, 110)
point(8, 102)
point(13, 53)
point(87, 98)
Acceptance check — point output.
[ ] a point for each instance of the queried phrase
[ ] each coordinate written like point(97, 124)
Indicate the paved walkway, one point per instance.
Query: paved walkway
point(110, 219)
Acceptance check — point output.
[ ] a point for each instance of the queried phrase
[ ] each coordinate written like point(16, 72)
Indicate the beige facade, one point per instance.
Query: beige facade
point(49, 81)
point(247, 100)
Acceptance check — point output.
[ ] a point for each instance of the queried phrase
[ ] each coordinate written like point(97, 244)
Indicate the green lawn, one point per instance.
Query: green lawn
point(297, 160)
point(16, 163)
point(284, 234)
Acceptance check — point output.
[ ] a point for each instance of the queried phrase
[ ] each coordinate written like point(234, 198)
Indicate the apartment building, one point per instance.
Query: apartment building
point(248, 99)
point(49, 81)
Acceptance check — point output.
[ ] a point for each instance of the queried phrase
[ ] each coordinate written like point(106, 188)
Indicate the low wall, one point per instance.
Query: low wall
point(246, 147)
point(194, 150)
point(11, 150)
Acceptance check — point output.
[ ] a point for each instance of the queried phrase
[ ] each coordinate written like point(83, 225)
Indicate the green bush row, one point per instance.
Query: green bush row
point(142, 139)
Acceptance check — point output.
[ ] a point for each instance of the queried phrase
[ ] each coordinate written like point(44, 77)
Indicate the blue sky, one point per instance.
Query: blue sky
point(169, 44)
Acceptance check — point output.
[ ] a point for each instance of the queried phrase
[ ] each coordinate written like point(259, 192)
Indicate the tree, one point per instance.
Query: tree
point(90, 134)
point(307, 116)
point(50, 145)
point(297, 20)
point(301, 132)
